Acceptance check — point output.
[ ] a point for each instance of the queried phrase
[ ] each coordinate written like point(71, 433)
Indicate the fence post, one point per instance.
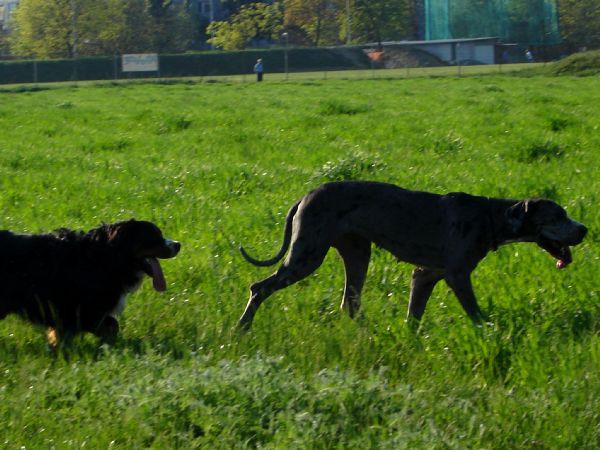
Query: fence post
point(35, 72)
point(458, 57)
point(285, 55)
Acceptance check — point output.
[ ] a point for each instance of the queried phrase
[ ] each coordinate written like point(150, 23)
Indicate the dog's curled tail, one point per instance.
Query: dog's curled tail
point(287, 237)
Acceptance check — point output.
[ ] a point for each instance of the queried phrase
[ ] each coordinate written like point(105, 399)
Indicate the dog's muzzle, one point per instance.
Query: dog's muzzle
point(173, 247)
point(559, 248)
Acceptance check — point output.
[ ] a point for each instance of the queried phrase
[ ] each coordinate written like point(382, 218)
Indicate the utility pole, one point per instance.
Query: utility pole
point(74, 28)
point(212, 19)
point(348, 24)
point(74, 36)
point(285, 54)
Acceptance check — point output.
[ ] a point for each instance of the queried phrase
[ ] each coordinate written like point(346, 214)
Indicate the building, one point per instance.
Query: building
point(452, 51)
point(461, 51)
point(6, 9)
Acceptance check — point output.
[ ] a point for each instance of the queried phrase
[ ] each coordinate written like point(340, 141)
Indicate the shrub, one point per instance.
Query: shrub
point(582, 64)
point(351, 168)
point(540, 151)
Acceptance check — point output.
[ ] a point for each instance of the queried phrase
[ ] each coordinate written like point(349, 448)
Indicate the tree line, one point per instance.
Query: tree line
point(74, 28)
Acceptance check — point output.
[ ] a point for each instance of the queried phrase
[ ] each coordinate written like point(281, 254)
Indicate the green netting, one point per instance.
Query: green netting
point(531, 22)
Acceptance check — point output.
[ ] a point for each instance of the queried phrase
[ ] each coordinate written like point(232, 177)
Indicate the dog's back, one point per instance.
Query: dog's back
point(410, 224)
point(46, 276)
point(23, 272)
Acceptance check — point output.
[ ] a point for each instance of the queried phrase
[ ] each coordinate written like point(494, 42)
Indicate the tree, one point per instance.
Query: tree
point(159, 8)
point(253, 21)
point(111, 27)
point(3, 43)
point(71, 28)
point(44, 28)
point(580, 22)
point(232, 7)
point(172, 28)
point(226, 36)
point(318, 20)
point(379, 20)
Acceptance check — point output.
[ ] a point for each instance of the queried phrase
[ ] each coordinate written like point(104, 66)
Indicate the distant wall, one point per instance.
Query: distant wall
point(190, 64)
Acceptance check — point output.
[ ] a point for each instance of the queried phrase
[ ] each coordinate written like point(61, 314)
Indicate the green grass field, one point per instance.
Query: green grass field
point(217, 165)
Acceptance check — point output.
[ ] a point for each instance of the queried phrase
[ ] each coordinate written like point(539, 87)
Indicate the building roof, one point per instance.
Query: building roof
point(439, 41)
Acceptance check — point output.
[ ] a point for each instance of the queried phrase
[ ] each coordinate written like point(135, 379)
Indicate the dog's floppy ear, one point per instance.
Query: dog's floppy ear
point(112, 232)
point(117, 232)
point(515, 215)
point(521, 216)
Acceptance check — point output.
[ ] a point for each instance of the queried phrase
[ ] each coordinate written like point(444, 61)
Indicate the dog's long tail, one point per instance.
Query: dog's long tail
point(287, 238)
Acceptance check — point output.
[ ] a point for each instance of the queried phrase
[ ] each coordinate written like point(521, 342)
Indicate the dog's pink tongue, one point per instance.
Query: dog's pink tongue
point(158, 278)
point(565, 259)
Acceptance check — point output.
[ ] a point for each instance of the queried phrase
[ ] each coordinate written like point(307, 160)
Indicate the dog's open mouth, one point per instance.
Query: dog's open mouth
point(561, 252)
point(154, 271)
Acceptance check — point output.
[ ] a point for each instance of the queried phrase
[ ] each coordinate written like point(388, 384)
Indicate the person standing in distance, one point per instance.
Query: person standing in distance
point(529, 56)
point(258, 69)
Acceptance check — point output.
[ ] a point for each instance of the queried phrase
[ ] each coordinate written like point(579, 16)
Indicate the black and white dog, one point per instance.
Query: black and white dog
point(73, 282)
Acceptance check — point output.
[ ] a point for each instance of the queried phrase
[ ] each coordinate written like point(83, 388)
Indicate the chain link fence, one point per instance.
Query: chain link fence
point(426, 58)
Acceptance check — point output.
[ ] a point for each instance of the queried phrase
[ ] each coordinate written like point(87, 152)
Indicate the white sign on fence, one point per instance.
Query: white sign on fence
point(140, 62)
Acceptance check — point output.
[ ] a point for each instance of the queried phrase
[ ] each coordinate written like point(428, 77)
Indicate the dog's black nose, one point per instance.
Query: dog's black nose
point(173, 247)
point(582, 230)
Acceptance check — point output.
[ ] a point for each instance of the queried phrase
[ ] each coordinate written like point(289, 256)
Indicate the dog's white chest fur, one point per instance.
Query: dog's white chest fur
point(118, 310)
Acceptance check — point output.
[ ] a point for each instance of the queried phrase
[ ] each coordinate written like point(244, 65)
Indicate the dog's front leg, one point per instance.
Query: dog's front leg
point(108, 330)
point(460, 283)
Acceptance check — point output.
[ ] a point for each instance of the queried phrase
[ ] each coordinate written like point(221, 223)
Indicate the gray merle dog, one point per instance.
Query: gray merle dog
point(445, 236)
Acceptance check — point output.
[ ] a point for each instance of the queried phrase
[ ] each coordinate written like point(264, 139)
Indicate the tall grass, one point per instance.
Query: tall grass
point(216, 166)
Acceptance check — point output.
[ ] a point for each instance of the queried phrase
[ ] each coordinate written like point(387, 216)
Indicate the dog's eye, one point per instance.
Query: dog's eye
point(150, 241)
point(154, 242)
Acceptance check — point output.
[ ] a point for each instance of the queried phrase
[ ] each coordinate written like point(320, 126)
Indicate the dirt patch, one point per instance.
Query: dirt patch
point(394, 58)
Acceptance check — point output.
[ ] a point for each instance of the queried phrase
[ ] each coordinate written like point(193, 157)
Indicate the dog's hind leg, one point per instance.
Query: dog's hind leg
point(52, 339)
point(422, 284)
point(57, 339)
point(356, 253)
point(296, 267)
